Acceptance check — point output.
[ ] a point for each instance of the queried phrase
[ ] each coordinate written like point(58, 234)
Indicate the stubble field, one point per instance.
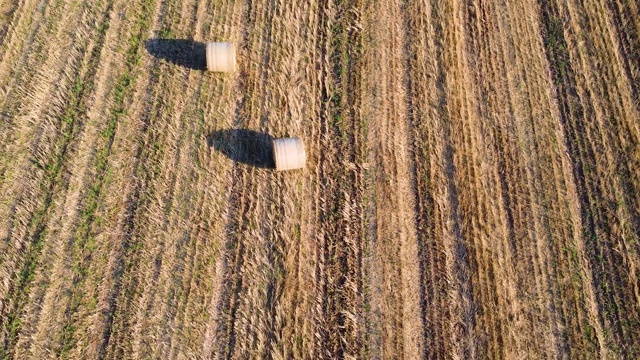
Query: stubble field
point(471, 189)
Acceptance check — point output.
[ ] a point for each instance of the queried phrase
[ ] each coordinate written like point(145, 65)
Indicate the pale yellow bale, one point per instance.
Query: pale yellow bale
point(289, 153)
point(221, 56)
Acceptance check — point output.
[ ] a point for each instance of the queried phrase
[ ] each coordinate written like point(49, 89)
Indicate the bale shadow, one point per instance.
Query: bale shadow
point(188, 53)
point(244, 146)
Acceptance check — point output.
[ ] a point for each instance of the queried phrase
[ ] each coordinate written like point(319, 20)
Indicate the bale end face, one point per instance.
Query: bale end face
point(221, 57)
point(289, 154)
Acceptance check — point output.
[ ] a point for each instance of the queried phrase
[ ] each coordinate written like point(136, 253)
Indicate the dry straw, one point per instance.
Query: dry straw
point(221, 56)
point(289, 153)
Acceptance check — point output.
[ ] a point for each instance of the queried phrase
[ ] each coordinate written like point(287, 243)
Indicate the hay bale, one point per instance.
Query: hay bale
point(289, 153)
point(221, 56)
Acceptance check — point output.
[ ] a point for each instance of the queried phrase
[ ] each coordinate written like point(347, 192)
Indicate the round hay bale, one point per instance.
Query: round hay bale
point(289, 153)
point(221, 56)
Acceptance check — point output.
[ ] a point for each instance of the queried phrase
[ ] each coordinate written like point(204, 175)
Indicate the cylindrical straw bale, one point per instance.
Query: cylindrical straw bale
point(221, 56)
point(289, 153)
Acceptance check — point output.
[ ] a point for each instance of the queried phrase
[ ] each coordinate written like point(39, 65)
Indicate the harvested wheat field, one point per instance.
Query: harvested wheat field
point(471, 188)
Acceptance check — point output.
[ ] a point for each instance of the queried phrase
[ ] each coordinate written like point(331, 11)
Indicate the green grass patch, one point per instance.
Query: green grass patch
point(85, 240)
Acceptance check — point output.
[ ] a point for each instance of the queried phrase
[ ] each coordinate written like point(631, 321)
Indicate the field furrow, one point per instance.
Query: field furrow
point(82, 56)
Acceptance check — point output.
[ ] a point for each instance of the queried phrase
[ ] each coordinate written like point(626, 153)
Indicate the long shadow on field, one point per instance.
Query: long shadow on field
point(244, 146)
point(188, 53)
